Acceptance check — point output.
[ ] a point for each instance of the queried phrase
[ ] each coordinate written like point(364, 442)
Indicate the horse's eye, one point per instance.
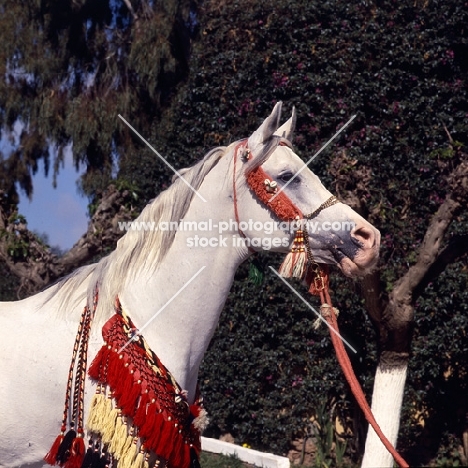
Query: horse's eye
point(287, 176)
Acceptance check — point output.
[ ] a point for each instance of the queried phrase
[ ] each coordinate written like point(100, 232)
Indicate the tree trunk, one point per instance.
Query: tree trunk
point(394, 322)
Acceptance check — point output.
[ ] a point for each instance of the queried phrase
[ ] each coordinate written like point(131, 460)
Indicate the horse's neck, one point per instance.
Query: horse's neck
point(179, 319)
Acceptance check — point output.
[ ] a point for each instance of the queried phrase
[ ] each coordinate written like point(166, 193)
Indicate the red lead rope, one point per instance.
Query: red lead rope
point(345, 364)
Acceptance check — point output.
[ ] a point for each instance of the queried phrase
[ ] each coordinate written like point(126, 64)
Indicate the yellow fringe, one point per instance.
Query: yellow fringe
point(102, 413)
point(96, 403)
point(127, 460)
point(139, 460)
point(126, 446)
point(120, 436)
point(109, 428)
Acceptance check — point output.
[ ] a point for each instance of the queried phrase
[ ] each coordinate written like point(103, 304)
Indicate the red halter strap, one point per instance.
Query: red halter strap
point(281, 205)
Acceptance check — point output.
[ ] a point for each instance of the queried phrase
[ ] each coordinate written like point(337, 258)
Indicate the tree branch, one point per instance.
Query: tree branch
point(457, 248)
point(397, 320)
point(131, 10)
point(34, 263)
point(371, 291)
point(431, 246)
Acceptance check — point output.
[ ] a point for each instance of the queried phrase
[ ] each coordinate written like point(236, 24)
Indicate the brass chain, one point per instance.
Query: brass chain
point(326, 204)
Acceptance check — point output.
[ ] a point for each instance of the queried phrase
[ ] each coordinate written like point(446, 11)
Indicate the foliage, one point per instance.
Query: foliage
point(8, 285)
point(267, 371)
point(70, 67)
point(401, 68)
point(17, 247)
point(330, 449)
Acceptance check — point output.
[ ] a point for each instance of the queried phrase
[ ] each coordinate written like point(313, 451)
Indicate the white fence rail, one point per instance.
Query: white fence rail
point(254, 457)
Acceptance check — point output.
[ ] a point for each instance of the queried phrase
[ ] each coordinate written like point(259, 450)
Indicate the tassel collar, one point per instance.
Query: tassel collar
point(139, 415)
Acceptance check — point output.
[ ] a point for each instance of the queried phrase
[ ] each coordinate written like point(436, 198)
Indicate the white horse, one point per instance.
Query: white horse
point(149, 272)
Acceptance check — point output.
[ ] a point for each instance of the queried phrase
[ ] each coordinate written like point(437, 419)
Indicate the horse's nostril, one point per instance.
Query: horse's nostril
point(364, 235)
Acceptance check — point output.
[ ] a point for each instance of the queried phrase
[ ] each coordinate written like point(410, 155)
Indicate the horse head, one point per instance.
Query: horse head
point(336, 233)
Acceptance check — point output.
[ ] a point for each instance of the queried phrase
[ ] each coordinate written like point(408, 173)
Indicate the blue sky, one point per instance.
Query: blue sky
point(59, 212)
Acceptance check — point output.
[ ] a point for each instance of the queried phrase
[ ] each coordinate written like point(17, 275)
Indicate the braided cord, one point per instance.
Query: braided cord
point(68, 392)
point(80, 349)
point(78, 393)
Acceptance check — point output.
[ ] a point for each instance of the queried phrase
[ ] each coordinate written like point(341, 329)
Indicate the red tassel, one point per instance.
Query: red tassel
point(77, 454)
point(125, 382)
point(167, 441)
point(113, 369)
point(178, 453)
point(141, 413)
point(64, 451)
point(151, 430)
point(129, 400)
point(51, 456)
point(95, 370)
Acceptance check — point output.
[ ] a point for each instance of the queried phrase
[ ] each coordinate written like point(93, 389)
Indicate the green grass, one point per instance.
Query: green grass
point(211, 460)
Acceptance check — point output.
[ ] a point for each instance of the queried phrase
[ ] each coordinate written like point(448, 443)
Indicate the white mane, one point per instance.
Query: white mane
point(138, 251)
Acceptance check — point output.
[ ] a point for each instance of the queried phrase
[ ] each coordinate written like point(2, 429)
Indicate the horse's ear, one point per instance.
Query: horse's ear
point(262, 141)
point(287, 129)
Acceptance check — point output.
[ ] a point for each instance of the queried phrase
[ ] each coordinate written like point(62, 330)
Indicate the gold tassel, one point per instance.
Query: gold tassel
point(96, 403)
point(120, 436)
point(128, 441)
point(109, 428)
point(146, 463)
point(102, 412)
point(139, 460)
point(128, 459)
point(295, 263)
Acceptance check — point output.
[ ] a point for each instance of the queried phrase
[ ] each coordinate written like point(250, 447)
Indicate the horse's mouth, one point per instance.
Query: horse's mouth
point(352, 270)
point(356, 256)
point(360, 265)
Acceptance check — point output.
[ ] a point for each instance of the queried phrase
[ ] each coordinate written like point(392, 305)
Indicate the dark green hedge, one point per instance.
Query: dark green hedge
point(401, 67)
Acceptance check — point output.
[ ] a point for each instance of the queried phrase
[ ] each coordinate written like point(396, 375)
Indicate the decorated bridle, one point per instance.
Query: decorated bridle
point(300, 263)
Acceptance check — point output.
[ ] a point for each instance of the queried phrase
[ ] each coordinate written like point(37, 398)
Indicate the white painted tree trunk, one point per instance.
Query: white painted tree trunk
point(387, 400)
